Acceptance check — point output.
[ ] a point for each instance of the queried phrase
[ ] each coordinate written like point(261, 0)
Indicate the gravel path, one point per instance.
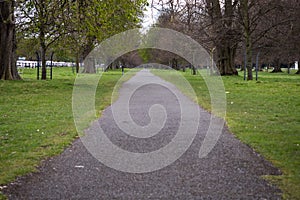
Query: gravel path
point(230, 171)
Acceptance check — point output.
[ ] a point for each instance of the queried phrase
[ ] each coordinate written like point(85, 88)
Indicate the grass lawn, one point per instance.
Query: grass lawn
point(36, 119)
point(265, 115)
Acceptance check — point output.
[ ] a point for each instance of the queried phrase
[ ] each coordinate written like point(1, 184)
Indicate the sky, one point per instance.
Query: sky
point(150, 16)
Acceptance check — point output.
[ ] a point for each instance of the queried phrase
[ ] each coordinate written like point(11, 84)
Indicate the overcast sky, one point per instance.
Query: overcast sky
point(150, 16)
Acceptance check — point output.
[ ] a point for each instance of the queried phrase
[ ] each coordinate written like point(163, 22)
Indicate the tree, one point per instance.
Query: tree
point(285, 38)
point(90, 22)
point(236, 26)
point(210, 23)
point(8, 68)
point(42, 19)
point(272, 29)
point(262, 21)
point(224, 33)
point(27, 47)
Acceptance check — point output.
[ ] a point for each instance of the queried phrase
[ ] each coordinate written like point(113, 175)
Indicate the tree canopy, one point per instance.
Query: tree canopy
point(72, 24)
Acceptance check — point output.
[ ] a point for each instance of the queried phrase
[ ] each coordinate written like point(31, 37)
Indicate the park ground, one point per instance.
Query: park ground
point(36, 119)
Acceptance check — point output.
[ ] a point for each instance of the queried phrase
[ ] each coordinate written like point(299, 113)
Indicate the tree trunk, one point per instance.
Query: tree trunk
point(8, 67)
point(42, 38)
point(249, 58)
point(289, 67)
point(89, 66)
point(77, 63)
point(277, 68)
point(247, 36)
point(175, 64)
point(222, 25)
point(226, 61)
point(44, 67)
point(194, 72)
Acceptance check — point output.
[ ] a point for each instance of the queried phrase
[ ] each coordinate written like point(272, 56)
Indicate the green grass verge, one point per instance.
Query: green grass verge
point(36, 120)
point(264, 114)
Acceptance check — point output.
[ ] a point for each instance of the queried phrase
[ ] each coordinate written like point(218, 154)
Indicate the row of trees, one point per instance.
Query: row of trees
point(235, 30)
point(232, 30)
point(67, 24)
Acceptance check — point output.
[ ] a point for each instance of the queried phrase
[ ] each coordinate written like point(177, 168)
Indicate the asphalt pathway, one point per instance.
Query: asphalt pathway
point(231, 170)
